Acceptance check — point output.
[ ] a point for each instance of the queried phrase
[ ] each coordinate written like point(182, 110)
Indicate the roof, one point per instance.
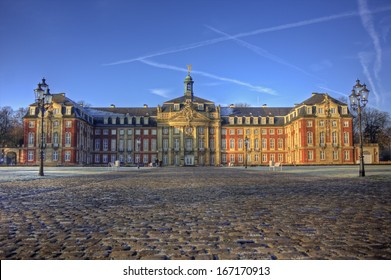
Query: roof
point(318, 98)
point(254, 111)
point(122, 111)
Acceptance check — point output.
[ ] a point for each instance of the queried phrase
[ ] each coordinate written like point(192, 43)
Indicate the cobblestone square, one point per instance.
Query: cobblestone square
point(196, 213)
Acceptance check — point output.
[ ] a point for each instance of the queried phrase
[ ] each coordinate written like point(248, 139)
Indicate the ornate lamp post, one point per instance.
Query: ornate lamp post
point(44, 101)
point(358, 100)
point(245, 148)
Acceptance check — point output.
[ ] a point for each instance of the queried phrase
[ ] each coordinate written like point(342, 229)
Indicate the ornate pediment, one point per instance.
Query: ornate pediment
point(188, 114)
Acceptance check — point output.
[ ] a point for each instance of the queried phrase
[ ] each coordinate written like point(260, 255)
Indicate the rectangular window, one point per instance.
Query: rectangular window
point(334, 123)
point(322, 155)
point(130, 131)
point(240, 119)
point(105, 158)
point(31, 124)
point(97, 144)
point(113, 158)
point(309, 110)
point(264, 157)
point(232, 158)
point(232, 132)
point(335, 155)
point(309, 123)
point(176, 107)
point(231, 120)
point(332, 110)
point(224, 158)
point(32, 111)
point(224, 131)
point(30, 155)
point(240, 131)
point(129, 145)
point(272, 143)
point(146, 145)
point(189, 144)
point(310, 155)
point(146, 132)
point(264, 143)
point(121, 132)
point(105, 144)
point(145, 159)
point(264, 132)
point(121, 145)
point(280, 157)
point(105, 132)
point(240, 157)
point(176, 144)
point(271, 131)
point(280, 143)
point(320, 110)
point(346, 155)
point(153, 145)
point(212, 143)
point(346, 124)
point(113, 145)
point(68, 124)
point(138, 132)
point(113, 132)
point(67, 156)
point(223, 144)
point(154, 131)
point(97, 131)
point(97, 158)
point(346, 138)
point(321, 123)
point(165, 144)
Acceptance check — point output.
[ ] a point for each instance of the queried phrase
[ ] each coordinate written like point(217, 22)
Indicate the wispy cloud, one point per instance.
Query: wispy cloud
point(364, 60)
point(251, 33)
point(259, 51)
point(320, 66)
point(367, 21)
point(256, 88)
point(160, 92)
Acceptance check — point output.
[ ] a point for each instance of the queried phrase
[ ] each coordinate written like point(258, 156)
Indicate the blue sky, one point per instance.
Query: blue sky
point(130, 53)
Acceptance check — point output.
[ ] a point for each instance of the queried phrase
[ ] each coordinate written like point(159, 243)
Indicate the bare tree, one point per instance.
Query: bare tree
point(11, 126)
point(242, 105)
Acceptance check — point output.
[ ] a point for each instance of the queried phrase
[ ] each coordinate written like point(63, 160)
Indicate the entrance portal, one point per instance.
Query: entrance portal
point(189, 160)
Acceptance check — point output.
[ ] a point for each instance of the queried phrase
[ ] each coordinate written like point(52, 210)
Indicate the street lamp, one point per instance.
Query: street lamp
point(358, 100)
point(245, 148)
point(44, 101)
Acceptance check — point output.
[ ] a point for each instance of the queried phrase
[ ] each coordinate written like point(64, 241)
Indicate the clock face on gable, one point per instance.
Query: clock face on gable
point(189, 130)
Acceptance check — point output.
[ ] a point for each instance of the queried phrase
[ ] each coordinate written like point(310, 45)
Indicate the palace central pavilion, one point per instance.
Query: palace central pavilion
point(190, 130)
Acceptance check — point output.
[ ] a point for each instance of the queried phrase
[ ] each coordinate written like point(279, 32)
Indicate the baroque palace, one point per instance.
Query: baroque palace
point(190, 130)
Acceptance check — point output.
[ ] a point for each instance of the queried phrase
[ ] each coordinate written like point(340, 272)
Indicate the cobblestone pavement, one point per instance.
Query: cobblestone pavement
point(196, 213)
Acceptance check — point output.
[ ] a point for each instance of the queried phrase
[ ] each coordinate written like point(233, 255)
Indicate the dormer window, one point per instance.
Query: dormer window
point(68, 110)
point(201, 107)
point(271, 120)
point(231, 120)
point(176, 107)
point(263, 120)
point(240, 120)
point(309, 110)
point(32, 111)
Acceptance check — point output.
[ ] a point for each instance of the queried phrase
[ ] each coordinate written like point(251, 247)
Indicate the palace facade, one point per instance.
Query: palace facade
point(190, 130)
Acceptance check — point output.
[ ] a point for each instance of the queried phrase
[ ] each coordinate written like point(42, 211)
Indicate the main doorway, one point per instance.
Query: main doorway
point(189, 160)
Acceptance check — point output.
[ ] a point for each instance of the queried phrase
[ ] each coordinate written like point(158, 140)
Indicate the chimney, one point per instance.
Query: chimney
point(145, 105)
point(264, 105)
point(112, 106)
point(232, 106)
